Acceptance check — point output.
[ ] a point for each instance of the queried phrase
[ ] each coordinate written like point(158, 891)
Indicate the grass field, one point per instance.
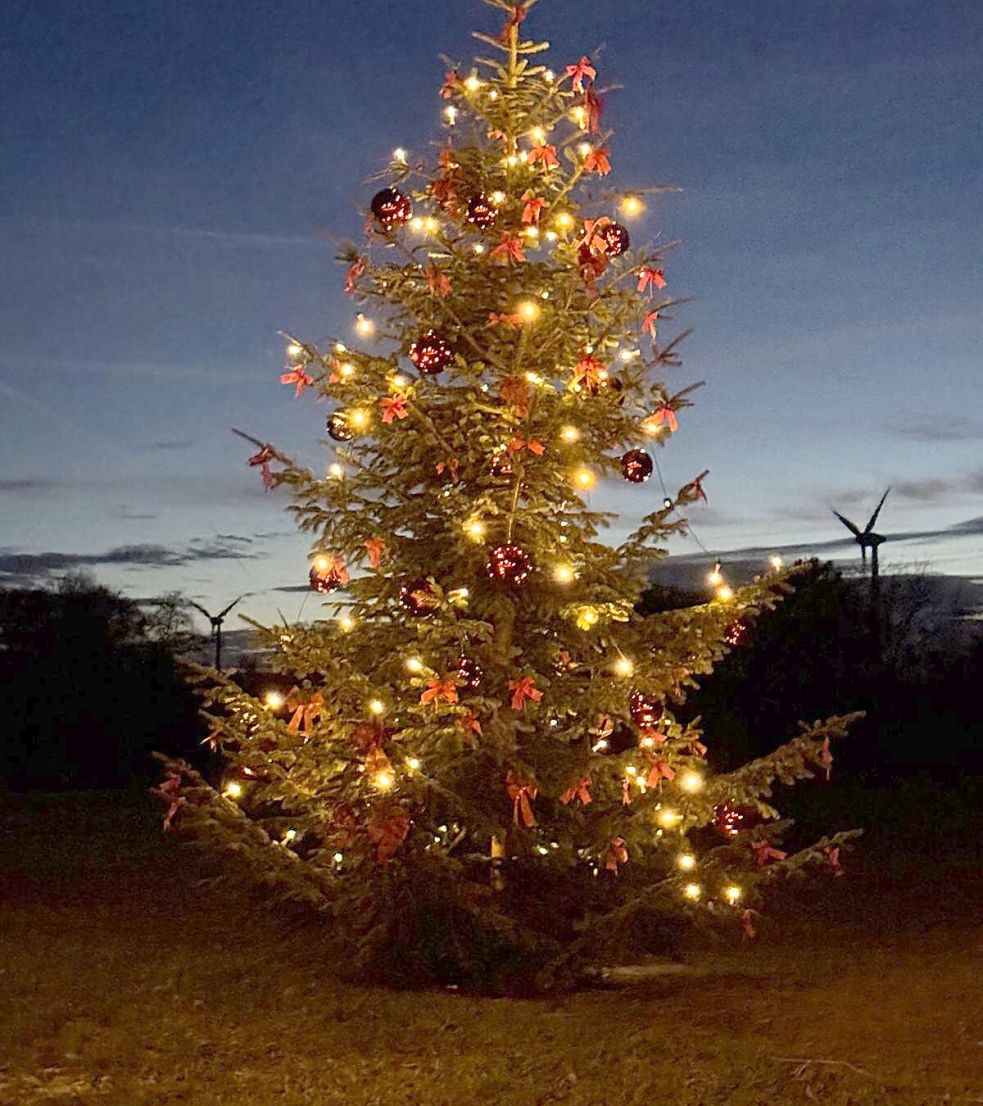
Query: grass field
point(125, 981)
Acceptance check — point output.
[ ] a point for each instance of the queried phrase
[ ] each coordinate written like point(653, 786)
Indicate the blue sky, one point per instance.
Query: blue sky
point(171, 167)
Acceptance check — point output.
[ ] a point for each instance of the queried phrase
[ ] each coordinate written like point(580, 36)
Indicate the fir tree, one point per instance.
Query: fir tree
point(480, 773)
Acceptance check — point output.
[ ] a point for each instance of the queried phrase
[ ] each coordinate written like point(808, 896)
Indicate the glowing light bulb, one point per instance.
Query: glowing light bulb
point(233, 790)
point(538, 135)
point(691, 781)
point(725, 593)
point(399, 382)
point(646, 742)
point(472, 83)
point(413, 664)
point(692, 891)
point(564, 220)
point(413, 763)
point(623, 667)
point(294, 350)
point(431, 225)
point(627, 355)
point(340, 347)
point(498, 197)
point(336, 471)
point(587, 617)
point(564, 574)
point(551, 236)
point(732, 894)
point(416, 223)
point(668, 818)
point(686, 861)
point(289, 835)
point(321, 563)
point(715, 578)
point(777, 562)
point(584, 478)
point(338, 857)
point(549, 75)
point(523, 156)
point(377, 707)
point(532, 233)
point(364, 325)
point(475, 529)
point(631, 206)
point(579, 115)
point(535, 379)
point(528, 310)
point(359, 418)
point(346, 623)
point(584, 148)
point(346, 369)
point(511, 161)
point(399, 154)
point(493, 95)
point(274, 700)
point(478, 248)
point(569, 434)
point(450, 114)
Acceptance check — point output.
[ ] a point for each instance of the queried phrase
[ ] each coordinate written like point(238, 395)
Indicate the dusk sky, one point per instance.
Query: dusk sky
point(170, 168)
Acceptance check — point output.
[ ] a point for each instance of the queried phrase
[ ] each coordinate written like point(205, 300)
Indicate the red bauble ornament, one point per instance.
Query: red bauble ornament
point(338, 428)
point(391, 208)
point(469, 673)
point(509, 564)
point(643, 710)
point(481, 212)
point(616, 238)
point(730, 819)
point(636, 466)
point(432, 353)
point(328, 576)
point(418, 598)
point(736, 632)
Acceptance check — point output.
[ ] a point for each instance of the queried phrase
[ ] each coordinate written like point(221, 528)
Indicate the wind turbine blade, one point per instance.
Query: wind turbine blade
point(873, 517)
point(199, 607)
point(847, 523)
point(222, 614)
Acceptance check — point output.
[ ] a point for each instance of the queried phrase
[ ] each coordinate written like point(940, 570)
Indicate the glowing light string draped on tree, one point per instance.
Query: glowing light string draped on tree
point(480, 767)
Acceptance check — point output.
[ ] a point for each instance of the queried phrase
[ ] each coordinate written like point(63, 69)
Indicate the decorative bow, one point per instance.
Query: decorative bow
point(650, 278)
point(263, 459)
point(833, 856)
point(443, 191)
point(694, 490)
point(546, 154)
point(494, 319)
point(589, 372)
point(826, 757)
point(659, 769)
point(697, 748)
point(594, 109)
point(439, 689)
point(509, 250)
point(514, 391)
point(393, 407)
point(438, 283)
point(748, 930)
point(524, 691)
point(580, 71)
point(765, 851)
point(649, 325)
point(387, 834)
point(532, 207)
point(376, 761)
point(305, 714)
point(523, 794)
point(452, 85)
point(665, 416)
point(170, 789)
point(451, 465)
point(519, 443)
point(470, 723)
point(298, 378)
point(616, 854)
point(376, 548)
point(626, 790)
point(579, 789)
point(353, 273)
point(598, 161)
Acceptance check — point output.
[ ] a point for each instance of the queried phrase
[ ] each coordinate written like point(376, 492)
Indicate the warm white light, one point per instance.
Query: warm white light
point(478, 248)
point(233, 790)
point(686, 861)
point(647, 742)
point(692, 891)
point(340, 347)
point(551, 236)
point(511, 161)
point(623, 667)
point(346, 623)
point(346, 369)
point(475, 529)
point(472, 83)
point(725, 593)
point(364, 325)
point(321, 563)
point(431, 225)
point(716, 577)
point(564, 574)
point(628, 355)
point(493, 95)
point(523, 156)
point(691, 781)
point(579, 115)
point(528, 310)
point(377, 706)
point(399, 154)
point(564, 220)
point(584, 148)
point(534, 379)
point(413, 763)
point(413, 664)
point(587, 617)
point(498, 197)
point(732, 894)
point(777, 562)
point(416, 223)
point(538, 135)
point(450, 114)
point(294, 350)
point(569, 434)
point(338, 857)
point(632, 205)
point(383, 780)
point(667, 818)
point(289, 835)
point(399, 382)
point(532, 233)
point(584, 478)
point(336, 471)
point(358, 418)
point(549, 75)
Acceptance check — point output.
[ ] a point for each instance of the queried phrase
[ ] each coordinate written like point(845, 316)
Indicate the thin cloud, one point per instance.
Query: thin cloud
point(939, 428)
point(28, 485)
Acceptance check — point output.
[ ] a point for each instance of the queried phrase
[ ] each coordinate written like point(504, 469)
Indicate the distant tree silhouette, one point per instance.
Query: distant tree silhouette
point(91, 685)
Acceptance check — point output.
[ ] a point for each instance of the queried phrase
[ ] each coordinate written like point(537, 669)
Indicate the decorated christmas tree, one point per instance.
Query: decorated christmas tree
point(484, 769)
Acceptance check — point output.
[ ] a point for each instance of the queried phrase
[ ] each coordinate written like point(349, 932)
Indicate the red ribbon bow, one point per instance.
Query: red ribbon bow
point(376, 548)
point(438, 283)
point(451, 465)
point(659, 769)
point(616, 854)
point(439, 689)
point(648, 325)
point(532, 208)
point(546, 154)
point(452, 85)
point(598, 161)
point(171, 789)
point(515, 392)
point(387, 834)
point(523, 794)
point(524, 691)
point(263, 459)
point(305, 714)
point(579, 789)
point(833, 856)
point(519, 443)
point(393, 407)
point(470, 723)
point(590, 372)
point(509, 250)
point(494, 319)
point(580, 71)
point(298, 378)
point(826, 757)
point(665, 415)
point(765, 851)
point(650, 278)
point(353, 273)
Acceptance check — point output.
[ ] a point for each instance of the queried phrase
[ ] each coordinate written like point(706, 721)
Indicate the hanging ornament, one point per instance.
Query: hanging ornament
point(419, 598)
point(481, 212)
point(500, 464)
point(636, 466)
point(391, 208)
point(509, 564)
point(730, 819)
point(616, 238)
point(338, 428)
point(468, 673)
point(736, 633)
point(431, 353)
point(328, 574)
point(644, 710)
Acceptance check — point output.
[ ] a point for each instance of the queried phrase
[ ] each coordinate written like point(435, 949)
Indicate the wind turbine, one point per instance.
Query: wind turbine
point(867, 539)
point(216, 621)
